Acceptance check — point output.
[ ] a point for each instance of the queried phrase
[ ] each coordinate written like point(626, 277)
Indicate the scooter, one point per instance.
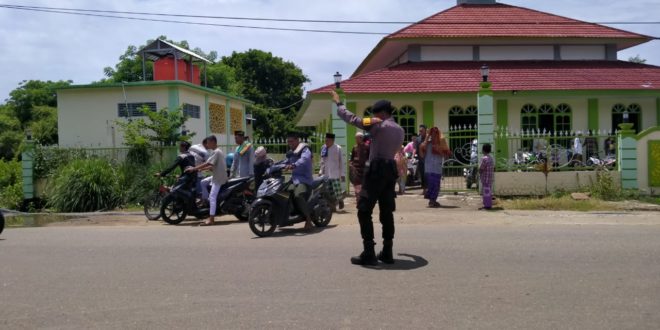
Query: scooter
point(274, 205)
point(609, 161)
point(234, 198)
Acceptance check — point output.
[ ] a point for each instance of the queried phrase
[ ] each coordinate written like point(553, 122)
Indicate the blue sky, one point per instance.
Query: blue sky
point(53, 46)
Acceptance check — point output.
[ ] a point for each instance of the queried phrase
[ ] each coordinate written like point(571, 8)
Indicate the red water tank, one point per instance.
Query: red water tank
point(164, 69)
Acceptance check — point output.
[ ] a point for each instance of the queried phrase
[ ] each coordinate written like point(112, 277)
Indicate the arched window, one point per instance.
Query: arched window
point(406, 117)
point(563, 118)
point(463, 119)
point(634, 115)
point(529, 117)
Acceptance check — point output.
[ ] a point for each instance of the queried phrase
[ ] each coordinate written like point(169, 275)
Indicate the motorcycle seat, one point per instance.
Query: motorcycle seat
point(316, 183)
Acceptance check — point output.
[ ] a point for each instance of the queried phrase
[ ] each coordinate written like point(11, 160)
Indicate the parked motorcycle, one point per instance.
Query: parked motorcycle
point(411, 179)
point(609, 161)
point(274, 205)
point(470, 173)
point(234, 198)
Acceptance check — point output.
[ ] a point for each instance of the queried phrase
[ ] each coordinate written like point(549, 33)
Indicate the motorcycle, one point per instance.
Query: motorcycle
point(2, 222)
point(234, 198)
point(608, 162)
point(470, 173)
point(274, 205)
point(412, 171)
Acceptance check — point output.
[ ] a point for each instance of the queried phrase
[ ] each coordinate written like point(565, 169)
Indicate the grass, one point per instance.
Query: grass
point(563, 203)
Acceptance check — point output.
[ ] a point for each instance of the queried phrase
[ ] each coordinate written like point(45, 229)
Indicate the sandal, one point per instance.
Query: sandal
point(207, 223)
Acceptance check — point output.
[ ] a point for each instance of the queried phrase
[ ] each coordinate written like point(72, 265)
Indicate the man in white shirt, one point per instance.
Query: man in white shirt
point(577, 149)
point(333, 167)
point(215, 163)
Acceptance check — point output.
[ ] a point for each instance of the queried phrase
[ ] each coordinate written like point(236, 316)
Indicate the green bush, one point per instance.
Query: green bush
point(11, 184)
point(605, 187)
point(85, 185)
point(47, 161)
point(137, 180)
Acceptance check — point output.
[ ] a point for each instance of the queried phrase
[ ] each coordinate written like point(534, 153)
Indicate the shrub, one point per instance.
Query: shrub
point(136, 181)
point(47, 161)
point(605, 188)
point(11, 184)
point(85, 185)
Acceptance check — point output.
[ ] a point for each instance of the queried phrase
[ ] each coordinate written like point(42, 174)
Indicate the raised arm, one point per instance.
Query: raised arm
point(351, 118)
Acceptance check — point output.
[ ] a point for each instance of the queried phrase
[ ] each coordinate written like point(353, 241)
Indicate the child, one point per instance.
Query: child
point(486, 174)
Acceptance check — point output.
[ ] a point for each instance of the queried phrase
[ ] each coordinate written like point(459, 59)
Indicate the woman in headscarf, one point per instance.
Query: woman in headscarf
point(433, 151)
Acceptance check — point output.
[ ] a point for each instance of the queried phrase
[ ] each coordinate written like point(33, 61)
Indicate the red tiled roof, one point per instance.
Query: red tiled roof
point(429, 77)
point(501, 20)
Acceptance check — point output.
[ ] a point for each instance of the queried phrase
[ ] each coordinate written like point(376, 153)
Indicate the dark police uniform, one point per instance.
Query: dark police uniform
point(379, 178)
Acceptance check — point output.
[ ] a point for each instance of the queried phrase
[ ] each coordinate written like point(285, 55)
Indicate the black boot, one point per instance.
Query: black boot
point(368, 256)
point(386, 255)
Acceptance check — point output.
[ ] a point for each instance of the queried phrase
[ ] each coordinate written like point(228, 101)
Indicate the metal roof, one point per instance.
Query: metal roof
point(159, 48)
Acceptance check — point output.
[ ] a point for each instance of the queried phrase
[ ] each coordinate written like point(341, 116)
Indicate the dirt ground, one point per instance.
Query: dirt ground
point(459, 209)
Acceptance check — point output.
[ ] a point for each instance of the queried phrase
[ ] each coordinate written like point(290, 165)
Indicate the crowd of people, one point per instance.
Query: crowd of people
point(376, 164)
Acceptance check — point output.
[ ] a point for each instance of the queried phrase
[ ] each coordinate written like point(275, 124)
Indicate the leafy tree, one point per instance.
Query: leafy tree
point(637, 59)
point(44, 125)
point(11, 137)
point(129, 67)
point(162, 128)
point(33, 93)
point(271, 82)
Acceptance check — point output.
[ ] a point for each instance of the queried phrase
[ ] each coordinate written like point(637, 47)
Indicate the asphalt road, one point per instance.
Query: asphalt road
point(596, 274)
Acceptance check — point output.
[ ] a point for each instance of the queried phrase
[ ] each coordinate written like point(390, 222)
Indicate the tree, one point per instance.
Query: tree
point(637, 59)
point(33, 93)
point(162, 128)
point(11, 137)
point(129, 67)
point(44, 125)
point(271, 82)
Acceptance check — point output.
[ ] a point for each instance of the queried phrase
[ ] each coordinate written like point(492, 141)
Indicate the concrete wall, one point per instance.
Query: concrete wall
point(499, 53)
point(534, 183)
point(643, 163)
point(86, 117)
point(587, 52)
point(197, 125)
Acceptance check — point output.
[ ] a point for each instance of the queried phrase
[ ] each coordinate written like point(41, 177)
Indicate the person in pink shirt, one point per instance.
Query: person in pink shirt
point(409, 149)
point(402, 169)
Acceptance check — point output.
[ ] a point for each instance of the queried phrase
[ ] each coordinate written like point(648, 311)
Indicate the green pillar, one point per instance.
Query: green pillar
point(627, 156)
point(485, 121)
point(339, 127)
point(173, 98)
point(502, 117)
point(27, 164)
point(593, 114)
point(206, 114)
point(428, 116)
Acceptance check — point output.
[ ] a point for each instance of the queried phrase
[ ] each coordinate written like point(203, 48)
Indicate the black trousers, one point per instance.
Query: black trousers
point(421, 172)
point(378, 187)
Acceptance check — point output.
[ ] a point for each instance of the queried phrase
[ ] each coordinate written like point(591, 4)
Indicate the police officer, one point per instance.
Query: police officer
point(379, 178)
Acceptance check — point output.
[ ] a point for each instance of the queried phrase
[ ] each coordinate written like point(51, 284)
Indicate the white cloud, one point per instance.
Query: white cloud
point(54, 46)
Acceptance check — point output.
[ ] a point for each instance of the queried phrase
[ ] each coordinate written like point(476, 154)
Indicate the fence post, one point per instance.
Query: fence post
point(627, 156)
point(27, 164)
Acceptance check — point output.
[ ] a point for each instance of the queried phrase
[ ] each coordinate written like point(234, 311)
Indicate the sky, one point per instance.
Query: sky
point(49, 46)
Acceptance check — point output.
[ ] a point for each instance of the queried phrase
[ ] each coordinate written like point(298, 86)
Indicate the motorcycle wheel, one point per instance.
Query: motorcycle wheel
point(323, 216)
point(173, 210)
point(152, 205)
point(262, 220)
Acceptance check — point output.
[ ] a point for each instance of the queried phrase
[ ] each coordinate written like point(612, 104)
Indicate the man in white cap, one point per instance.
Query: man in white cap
point(334, 167)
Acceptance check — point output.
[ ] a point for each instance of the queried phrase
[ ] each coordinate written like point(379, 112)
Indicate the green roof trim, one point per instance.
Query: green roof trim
point(163, 83)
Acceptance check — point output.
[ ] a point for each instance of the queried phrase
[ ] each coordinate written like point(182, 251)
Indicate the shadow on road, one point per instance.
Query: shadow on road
point(402, 264)
point(196, 223)
point(288, 231)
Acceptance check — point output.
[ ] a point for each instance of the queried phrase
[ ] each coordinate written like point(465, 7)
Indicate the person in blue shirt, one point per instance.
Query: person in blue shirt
point(299, 161)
